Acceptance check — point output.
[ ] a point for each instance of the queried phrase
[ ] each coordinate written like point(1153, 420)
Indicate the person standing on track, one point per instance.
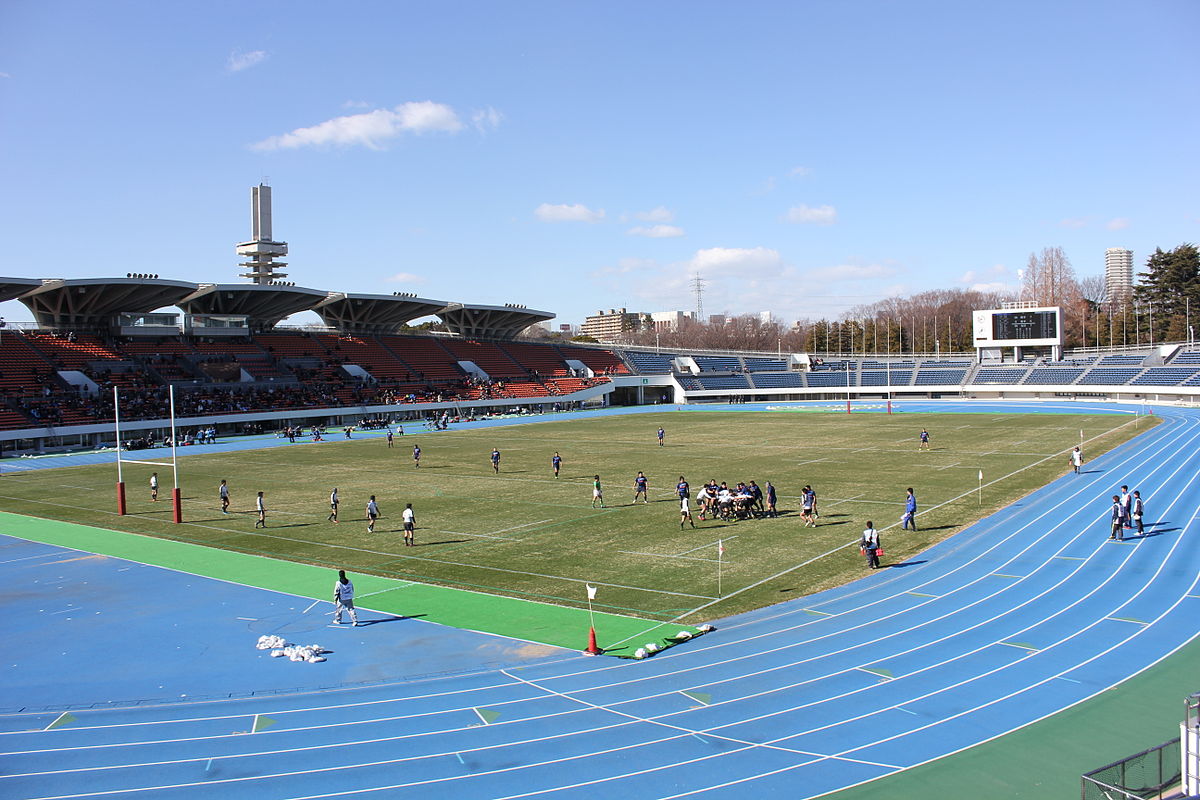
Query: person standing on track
point(910, 510)
point(410, 526)
point(1137, 511)
point(496, 461)
point(223, 492)
point(333, 505)
point(597, 493)
point(1126, 505)
point(260, 506)
point(1076, 459)
point(343, 597)
point(1118, 520)
point(556, 462)
point(870, 545)
point(372, 514)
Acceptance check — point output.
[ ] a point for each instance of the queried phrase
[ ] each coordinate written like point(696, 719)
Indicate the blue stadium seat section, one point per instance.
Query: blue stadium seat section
point(1121, 360)
point(723, 382)
point(769, 364)
point(1164, 376)
point(1186, 357)
point(1009, 375)
point(897, 377)
point(650, 363)
point(719, 363)
point(1054, 376)
point(1109, 376)
point(778, 380)
point(940, 377)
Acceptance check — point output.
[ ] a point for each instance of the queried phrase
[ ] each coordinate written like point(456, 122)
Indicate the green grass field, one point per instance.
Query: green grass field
point(523, 533)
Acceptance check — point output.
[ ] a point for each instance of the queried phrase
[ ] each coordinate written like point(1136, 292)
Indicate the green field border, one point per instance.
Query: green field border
point(527, 620)
point(1046, 759)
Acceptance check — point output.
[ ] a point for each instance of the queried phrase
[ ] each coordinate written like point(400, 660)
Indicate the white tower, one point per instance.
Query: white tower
point(262, 250)
point(1118, 276)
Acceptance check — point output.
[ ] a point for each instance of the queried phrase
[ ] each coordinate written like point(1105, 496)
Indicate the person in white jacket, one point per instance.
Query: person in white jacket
point(343, 597)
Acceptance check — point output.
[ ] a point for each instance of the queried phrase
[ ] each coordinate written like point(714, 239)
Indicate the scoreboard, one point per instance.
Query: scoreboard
point(1033, 327)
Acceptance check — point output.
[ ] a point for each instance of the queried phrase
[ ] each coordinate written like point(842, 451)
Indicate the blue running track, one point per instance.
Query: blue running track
point(1026, 613)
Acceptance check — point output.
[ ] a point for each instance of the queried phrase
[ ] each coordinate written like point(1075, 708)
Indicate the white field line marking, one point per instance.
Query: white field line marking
point(474, 535)
point(518, 527)
point(40, 555)
point(311, 606)
point(390, 589)
point(831, 503)
point(668, 555)
point(363, 704)
point(66, 610)
point(710, 544)
point(84, 488)
point(248, 619)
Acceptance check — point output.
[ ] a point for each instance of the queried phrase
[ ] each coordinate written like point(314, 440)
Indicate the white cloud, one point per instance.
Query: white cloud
point(809, 215)
point(967, 277)
point(991, 286)
point(405, 277)
point(5, 75)
point(656, 231)
point(372, 129)
point(800, 172)
point(239, 61)
point(660, 214)
point(487, 119)
point(356, 104)
point(567, 213)
point(726, 259)
point(1118, 224)
point(851, 272)
point(1073, 222)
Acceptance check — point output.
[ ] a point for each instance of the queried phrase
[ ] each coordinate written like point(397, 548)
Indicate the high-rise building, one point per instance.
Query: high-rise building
point(1118, 276)
point(611, 327)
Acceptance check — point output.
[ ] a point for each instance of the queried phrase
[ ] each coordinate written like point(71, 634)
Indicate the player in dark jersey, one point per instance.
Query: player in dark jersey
point(661, 435)
point(416, 455)
point(556, 462)
point(495, 460)
point(924, 445)
point(640, 485)
point(682, 489)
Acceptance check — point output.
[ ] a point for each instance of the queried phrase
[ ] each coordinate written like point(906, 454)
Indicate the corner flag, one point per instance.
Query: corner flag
point(591, 590)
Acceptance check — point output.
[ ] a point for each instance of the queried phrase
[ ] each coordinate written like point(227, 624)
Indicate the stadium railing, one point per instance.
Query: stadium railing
point(1156, 773)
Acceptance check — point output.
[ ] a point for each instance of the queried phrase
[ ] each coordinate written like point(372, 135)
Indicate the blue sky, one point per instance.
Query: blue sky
point(803, 157)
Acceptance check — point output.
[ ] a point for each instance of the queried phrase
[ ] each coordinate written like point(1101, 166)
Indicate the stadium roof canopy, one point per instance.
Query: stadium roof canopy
point(96, 302)
point(15, 287)
point(374, 313)
point(262, 305)
point(494, 322)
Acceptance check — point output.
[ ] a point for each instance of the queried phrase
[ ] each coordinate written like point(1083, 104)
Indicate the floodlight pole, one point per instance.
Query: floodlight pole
point(121, 508)
point(176, 498)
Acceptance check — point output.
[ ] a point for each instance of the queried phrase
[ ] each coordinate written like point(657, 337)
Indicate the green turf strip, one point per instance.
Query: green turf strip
point(1047, 758)
point(505, 616)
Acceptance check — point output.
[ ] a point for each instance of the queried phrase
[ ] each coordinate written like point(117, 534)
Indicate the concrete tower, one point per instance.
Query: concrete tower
point(1118, 276)
point(261, 250)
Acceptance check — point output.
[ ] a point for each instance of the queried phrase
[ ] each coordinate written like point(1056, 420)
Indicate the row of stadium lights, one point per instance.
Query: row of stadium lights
point(141, 276)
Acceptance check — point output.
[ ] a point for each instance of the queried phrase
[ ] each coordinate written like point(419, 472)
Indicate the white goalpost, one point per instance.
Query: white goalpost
point(176, 499)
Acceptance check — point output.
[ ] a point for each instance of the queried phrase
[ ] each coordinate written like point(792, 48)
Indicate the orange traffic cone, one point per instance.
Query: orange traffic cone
point(592, 649)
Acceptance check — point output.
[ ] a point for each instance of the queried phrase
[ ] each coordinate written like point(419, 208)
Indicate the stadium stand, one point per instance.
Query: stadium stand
point(1009, 375)
point(765, 364)
point(650, 363)
point(537, 359)
point(1186, 357)
point(602, 362)
point(723, 382)
point(1121, 359)
point(1102, 376)
point(939, 377)
point(894, 377)
point(719, 363)
point(1053, 376)
point(1164, 376)
point(777, 380)
point(487, 356)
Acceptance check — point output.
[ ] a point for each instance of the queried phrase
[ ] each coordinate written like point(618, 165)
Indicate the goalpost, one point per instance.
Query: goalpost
point(176, 498)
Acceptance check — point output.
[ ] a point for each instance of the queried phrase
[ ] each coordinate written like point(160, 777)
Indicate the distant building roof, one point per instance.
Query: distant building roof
point(262, 305)
point(374, 313)
point(96, 302)
point(495, 322)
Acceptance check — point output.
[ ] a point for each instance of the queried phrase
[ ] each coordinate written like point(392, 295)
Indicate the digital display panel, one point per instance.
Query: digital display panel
point(1024, 325)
